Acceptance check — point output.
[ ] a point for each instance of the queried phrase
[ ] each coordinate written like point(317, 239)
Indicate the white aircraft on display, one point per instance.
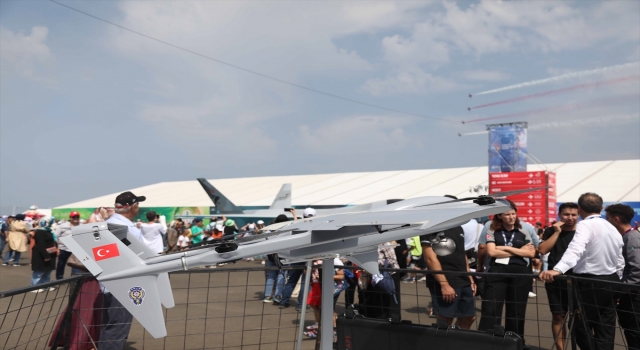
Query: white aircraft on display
point(138, 278)
point(281, 205)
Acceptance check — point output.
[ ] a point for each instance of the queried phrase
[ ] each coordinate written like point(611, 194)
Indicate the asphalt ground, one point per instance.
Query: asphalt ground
point(220, 308)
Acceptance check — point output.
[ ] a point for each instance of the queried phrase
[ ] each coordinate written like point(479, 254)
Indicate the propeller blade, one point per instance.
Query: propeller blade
point(494, 195)
point(512, 193)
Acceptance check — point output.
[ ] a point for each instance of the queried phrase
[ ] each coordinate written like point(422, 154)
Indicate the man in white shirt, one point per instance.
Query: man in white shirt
point(595, 252)
point(152, 233)
point(470, 233)
point(116, 320)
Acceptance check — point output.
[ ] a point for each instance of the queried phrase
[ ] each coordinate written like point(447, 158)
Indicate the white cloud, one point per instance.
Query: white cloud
point(215, 123)
point(484, 75)
point(491, 27)
point(24, 53)
point(360, 136)
point(412, 80)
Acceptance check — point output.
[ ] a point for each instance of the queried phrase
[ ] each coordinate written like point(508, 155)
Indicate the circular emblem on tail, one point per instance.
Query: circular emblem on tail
point(136, 294)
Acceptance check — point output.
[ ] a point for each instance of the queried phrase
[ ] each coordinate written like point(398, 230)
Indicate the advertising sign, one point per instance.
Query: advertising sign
point(535, 206)
point(507, 147)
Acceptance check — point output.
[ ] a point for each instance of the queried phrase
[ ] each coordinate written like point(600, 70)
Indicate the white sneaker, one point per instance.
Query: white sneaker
point(37, 291)
point(51, 289)
point(532, 295)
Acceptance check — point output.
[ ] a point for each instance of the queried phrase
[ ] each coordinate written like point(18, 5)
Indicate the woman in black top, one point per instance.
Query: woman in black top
point(508, 246)
point(43, 254)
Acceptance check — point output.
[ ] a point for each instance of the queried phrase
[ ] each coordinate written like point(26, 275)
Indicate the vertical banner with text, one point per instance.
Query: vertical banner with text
point(534, 206)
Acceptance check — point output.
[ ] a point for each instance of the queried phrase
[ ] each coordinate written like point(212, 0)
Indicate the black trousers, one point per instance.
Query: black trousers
point(596, 316)
point(116, 324)
point(501, 290)
point(629, 318)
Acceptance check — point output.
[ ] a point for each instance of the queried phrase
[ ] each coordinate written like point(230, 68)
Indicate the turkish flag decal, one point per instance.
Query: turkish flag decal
point(105, 252)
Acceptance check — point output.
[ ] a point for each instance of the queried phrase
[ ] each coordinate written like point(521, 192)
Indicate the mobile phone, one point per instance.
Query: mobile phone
point(527, 241)
point(288, 209)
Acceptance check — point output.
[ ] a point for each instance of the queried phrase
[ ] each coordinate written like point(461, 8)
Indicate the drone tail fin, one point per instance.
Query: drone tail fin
point(283, 199)
point(222, 203)
point(105, 248)
point(141, 296)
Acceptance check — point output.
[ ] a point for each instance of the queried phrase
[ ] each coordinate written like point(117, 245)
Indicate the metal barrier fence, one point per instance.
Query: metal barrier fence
point(222, 308)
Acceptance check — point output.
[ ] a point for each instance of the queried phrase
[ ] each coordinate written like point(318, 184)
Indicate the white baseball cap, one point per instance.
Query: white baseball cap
point(309, 212)
point(260, 222)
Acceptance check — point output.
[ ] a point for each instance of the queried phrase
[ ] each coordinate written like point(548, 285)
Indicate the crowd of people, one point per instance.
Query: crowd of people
point(506, 251)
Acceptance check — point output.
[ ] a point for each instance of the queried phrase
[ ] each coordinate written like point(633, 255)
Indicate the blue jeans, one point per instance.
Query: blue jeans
point(294, 276)
point(16, 257)
point(40, 277)
point(276, 276)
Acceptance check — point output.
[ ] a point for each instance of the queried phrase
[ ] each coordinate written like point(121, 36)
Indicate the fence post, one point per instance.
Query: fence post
point(572, 329)
point(65, 326)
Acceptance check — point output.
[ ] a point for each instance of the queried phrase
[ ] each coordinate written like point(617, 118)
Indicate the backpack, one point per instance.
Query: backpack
point(383, 282)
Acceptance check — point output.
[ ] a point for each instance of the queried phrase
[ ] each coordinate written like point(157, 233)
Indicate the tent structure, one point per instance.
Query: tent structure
point(615, 181)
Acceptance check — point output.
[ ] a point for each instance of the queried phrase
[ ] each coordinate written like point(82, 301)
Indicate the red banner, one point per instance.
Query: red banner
point(534, 206)
point(518, 175)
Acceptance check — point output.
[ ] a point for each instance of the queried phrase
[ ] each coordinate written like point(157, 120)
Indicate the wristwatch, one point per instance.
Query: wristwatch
point(557, 269)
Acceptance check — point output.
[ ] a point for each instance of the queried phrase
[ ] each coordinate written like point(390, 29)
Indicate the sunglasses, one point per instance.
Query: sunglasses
point(75, 217)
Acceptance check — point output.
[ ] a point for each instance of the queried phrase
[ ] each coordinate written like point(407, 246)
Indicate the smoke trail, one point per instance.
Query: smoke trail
point(566, 107)
point(618, 119)
point(526, 113)
point(562, 77)
point(582, 122)
point(558, 91)
point(474, 133)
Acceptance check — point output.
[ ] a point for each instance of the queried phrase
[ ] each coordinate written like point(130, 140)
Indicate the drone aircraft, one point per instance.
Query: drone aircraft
point(280, 205)
point(139, 279)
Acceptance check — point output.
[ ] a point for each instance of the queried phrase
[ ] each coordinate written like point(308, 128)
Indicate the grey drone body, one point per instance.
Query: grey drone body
point(139, 280)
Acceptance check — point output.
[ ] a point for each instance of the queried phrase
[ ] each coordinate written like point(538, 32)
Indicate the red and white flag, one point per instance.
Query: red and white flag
point(105, 252)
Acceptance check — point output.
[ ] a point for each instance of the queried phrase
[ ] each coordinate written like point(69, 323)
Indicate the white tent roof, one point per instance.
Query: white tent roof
point(615, 181)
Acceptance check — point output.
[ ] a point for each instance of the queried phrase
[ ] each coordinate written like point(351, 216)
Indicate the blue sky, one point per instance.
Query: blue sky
point(87, 108)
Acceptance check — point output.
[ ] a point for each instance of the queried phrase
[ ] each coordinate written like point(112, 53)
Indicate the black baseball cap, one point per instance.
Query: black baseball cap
point(127, 199)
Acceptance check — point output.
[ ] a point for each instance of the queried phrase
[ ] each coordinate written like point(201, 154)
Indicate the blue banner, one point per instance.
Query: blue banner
point(507, 147)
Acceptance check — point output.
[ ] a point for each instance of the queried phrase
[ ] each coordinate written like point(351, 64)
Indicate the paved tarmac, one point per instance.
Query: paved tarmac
point(220, 308)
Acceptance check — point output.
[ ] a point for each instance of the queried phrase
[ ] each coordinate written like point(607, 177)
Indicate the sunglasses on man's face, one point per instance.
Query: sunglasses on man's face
point(75, 217)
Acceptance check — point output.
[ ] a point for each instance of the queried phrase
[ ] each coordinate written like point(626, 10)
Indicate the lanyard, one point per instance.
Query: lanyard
point(510, 243)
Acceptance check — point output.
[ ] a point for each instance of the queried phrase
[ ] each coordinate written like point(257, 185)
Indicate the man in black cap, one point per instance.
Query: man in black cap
point(116, 320)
